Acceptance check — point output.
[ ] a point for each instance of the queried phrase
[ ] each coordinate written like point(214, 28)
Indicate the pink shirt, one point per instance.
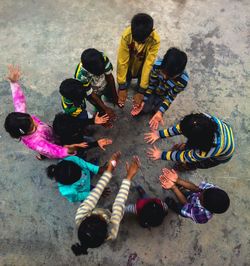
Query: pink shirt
point(42, 140)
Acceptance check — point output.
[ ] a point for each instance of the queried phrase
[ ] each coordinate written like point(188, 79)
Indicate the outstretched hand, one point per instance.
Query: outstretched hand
point(154, 153)
point(137, 109)
point(133, 167)
point(151, 137)
point(156, 120)
point(14, 73)
point(165, 182)
point(104, 142)
point(99, 120)
point(112, 163)
point(73, 147)
point(170, 174)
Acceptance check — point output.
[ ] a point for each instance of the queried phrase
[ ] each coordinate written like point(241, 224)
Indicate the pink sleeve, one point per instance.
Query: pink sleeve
point(19, 100)
point(47, 149)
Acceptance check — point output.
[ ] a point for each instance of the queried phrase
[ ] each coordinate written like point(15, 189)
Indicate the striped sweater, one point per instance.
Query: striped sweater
point(222, 149)
point(88, 207)
point(166, 89)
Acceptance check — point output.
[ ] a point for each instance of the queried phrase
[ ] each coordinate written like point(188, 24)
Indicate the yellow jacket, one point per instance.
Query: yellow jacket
point(134, 56)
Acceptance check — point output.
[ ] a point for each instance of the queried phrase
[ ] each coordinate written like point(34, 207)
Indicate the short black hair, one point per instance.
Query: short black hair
point(72, 89)
point(93, 61)
point(216, 200)
point(18, 124)
point(141, 27)
point(200, 131)
point(152, 214)
point(65, 172)
point(174, 62)
point(92, 232)
point(68, 129)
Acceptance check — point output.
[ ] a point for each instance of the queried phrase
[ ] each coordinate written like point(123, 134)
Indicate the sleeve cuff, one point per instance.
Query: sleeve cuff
point(122, 86)
point(161, 134)
point(141, 90)
point(162, 110)
point(163, 155)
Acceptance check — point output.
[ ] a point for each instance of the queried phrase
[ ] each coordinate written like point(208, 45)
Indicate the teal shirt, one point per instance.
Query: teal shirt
point(79, 190)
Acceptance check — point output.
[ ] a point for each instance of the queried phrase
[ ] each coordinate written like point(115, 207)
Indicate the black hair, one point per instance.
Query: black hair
point(72, 89)
point(93, 61)
point(68, 129)
point(141, 27)
point(65, 172)
point(215, 200)
point(18, 124)
point(200, 131)
point(152, 214)
point(174, 62)
point(92, 232)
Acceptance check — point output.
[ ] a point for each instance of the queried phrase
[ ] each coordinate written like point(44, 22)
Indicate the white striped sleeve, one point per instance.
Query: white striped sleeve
point(89, 204)
point(118, 209)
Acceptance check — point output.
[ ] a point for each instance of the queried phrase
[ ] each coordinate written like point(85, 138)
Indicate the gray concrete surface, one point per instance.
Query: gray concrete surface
point(46, 39)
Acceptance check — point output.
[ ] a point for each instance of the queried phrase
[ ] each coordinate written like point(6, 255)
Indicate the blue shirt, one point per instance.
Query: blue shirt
point(79, 190)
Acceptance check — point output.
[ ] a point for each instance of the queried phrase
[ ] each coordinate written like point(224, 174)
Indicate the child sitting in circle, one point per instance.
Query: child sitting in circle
point(149, 211)
point(33, 133)
point(70, 130)
point(200, 203)
point(73, 176)
point(210, 142)
point(74, 97)
point(167, 79)
point(96, 225)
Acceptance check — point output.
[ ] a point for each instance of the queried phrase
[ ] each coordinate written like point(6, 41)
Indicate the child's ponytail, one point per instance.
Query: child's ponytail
point(51, 171)
point(79, 249)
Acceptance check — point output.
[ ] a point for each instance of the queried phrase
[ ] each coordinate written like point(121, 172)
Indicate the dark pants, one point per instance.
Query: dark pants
point(152, 104)
point(129, 78)
point(109, 96)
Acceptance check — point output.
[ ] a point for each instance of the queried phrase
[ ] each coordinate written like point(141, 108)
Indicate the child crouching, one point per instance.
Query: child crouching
point(149, 211)
point(199, 203)
point(73, 176)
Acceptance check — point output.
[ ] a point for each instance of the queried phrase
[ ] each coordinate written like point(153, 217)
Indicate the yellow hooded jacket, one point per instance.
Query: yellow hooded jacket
point(135, 56)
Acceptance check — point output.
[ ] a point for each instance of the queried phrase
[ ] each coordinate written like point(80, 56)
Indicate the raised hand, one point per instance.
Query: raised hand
point(151, 137)
point(122, 97)
point(156, 120)
point(113, 161)
point(99, 120)
point(170, 174)
point(165, 182)
point(133, 167)
point(14, 73)
point(104, 142)
point(154, 153)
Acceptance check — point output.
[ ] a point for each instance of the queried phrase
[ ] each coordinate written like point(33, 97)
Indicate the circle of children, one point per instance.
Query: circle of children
point(209, 143)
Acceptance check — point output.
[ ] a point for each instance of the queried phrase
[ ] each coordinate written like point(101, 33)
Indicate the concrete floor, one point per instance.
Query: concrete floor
point(46, 39)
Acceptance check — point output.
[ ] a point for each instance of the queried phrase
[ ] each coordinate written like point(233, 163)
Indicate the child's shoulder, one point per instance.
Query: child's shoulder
point(157, 64)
